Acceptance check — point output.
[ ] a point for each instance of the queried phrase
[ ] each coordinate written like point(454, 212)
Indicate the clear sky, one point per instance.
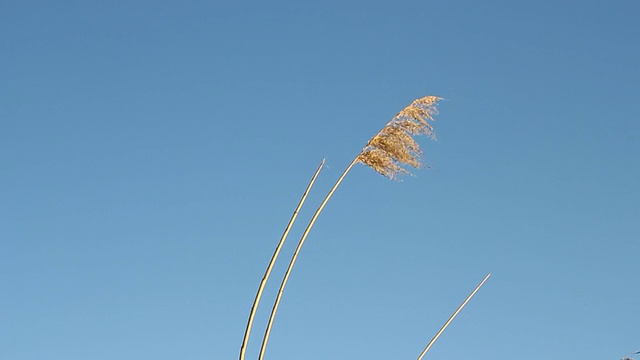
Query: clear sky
point(152, 152)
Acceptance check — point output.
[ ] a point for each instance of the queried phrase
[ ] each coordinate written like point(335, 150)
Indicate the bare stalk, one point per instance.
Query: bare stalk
point(386, 152)
point(267, 273)
point(433, 340)
point(274, 310)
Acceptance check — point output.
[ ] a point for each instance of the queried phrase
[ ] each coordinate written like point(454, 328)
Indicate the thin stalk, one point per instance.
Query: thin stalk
point(452, 317)
point(267, 273)
point(274, 310)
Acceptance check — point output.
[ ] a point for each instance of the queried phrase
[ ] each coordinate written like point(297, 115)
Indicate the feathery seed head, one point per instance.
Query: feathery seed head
point(394, 145)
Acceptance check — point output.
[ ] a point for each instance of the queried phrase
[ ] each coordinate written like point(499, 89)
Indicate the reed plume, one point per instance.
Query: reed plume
point(274, 257)
point(394, 145)
point(388, 152)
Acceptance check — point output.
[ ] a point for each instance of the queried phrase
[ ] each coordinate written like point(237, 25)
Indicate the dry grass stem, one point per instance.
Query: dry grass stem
point(267, 273)
point(453, 316)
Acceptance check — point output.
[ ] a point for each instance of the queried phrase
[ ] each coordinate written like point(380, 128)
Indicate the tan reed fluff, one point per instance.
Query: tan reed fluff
point(267, 273)
point(394, 145)
point(387, 152)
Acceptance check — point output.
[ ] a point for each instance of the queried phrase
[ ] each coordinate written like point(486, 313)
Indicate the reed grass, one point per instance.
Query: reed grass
point(274, 257)
point(389, 152)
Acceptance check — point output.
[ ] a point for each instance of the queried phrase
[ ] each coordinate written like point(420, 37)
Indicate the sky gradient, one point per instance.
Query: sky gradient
point(152, 153)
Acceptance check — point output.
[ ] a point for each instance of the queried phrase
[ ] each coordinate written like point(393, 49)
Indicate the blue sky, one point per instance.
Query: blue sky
point(153, 151)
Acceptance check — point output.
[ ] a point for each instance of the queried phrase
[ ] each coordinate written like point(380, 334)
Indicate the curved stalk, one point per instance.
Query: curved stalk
point(274, 310)
point(267, 273)
point(455, 313)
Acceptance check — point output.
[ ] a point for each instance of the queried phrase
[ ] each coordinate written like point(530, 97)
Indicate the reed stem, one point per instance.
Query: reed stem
point(453, 316)
point(274, 310)
point(267, 273)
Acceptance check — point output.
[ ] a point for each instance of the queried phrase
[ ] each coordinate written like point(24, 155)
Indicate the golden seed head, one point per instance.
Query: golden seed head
point(394, 145)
